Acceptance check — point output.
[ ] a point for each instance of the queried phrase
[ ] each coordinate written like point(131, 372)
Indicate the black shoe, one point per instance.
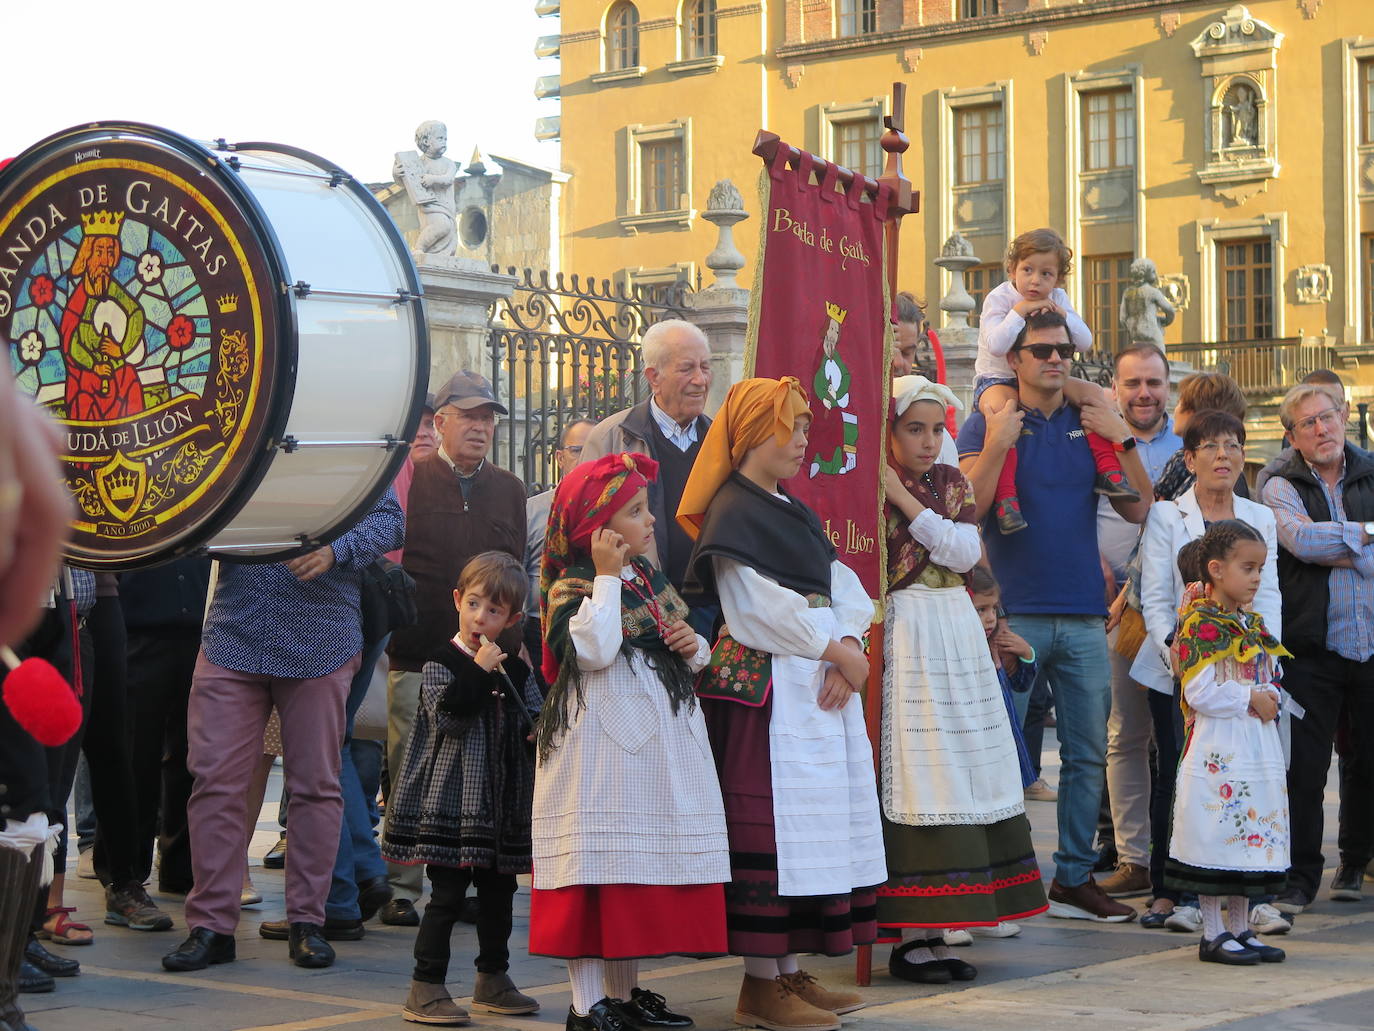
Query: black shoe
point(276, 855)
point(603, 1016)
point(959, 970)
point(1115, 485)
point(1212, 952)
point(1106, 859)
point(1267, 953)
point(1348, 884)
point(1009, 518)
point(373, 894)
point(54, 966)
point(308, 947)
point(468, 911)
point(32, 980)
point(1153, 921)
point(932, 971)
point(201, 949)
point(174, 887)
point(400, 913)
point(649, 1011)
point(1292, 902)
point(334, 930)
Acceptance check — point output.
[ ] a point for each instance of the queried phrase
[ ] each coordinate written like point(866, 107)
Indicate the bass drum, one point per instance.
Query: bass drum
point(232, 338)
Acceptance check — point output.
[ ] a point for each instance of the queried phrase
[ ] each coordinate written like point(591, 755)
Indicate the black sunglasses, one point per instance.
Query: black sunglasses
point(1042, 352)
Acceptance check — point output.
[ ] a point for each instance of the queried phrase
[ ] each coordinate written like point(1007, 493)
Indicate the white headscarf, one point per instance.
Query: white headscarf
point(907, 390)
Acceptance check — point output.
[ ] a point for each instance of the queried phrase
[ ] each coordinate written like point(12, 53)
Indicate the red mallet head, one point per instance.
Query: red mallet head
point(41, 701)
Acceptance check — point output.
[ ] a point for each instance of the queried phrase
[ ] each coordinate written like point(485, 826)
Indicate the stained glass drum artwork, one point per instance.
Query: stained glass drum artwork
point(231, 338)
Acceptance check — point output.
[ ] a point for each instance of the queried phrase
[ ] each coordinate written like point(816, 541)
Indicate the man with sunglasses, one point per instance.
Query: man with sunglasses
point(1323, 502)
point(1051, 576)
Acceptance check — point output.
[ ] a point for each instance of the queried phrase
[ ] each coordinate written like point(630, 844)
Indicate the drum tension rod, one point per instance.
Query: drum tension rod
point(291, 445)
point(302, 290)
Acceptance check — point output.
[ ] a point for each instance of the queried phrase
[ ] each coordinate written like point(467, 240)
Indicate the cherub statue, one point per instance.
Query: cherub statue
point(1145, 311)
point(428, 178)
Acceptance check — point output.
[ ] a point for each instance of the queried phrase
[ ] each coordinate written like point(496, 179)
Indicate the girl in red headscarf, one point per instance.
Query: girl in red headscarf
point(630, 850)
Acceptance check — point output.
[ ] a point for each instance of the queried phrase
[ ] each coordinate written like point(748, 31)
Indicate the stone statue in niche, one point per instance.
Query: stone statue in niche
point(1145, 310)
point(428, 179)
point(1240, 106)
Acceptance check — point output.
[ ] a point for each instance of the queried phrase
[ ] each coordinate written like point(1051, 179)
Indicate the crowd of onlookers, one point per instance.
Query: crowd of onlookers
point(318, 661)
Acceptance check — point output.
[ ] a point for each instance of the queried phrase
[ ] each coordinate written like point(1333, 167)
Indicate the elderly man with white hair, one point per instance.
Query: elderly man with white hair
point(669, 428)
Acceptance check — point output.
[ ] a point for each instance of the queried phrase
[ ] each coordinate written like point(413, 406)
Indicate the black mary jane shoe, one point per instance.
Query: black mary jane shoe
point(932, 971)
point(1267, 953)
point(959, 970)
point(50, 964)
point(1214, 952)
point(308, 947)
point(31, 980)
point(649, 1011)
point(202, 948)
point(605, 1015)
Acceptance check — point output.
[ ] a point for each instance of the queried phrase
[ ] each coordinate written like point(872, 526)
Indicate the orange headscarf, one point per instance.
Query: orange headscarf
point(754, 410)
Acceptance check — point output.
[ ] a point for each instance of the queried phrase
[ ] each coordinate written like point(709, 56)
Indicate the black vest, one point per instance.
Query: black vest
point(1304, 586)
point(674, 466)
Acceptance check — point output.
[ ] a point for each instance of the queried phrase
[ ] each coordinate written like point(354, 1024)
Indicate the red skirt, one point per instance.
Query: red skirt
point(627, 921)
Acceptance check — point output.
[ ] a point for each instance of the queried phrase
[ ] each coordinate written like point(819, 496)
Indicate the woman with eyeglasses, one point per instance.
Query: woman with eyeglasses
point(1214, 453)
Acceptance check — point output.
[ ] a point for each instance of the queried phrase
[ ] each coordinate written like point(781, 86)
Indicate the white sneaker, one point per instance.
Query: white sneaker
point(1041, 792)
point(85, 865)
point(1185, 918)
point(1265, 919)
point(1002, 930)
point(957, 936)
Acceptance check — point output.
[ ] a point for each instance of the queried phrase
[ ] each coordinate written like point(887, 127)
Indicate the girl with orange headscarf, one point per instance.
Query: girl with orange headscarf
point(795, 763)
point(628, 835)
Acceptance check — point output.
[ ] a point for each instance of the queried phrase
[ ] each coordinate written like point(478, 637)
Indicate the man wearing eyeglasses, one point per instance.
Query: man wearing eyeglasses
point(1323, 502)
point(1051, 577)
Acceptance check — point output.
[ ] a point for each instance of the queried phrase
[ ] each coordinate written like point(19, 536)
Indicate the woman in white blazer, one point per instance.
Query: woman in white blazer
point(1214, 450)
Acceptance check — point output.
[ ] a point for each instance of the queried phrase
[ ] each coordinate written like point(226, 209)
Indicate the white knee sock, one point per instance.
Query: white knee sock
point(1238, 915)
point(586, 977)
point(622, 977)
point(756, 966)
point(1212, 924)
point(788, 964)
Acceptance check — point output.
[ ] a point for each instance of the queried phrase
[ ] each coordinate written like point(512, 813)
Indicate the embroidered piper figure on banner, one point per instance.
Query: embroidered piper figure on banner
point(832, 391)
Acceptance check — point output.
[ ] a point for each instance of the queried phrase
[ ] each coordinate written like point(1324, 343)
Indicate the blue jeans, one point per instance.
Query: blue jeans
point(359, 858)
point(1072, 652)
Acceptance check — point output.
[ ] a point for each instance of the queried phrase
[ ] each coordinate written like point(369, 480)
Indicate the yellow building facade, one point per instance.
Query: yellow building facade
point(1233, 145)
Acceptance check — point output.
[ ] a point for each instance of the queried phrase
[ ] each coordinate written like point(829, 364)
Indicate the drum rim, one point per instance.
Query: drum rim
point(396, 459)
point(281, 391)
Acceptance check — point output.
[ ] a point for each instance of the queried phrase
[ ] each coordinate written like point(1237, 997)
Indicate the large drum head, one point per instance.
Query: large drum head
point(143, 302)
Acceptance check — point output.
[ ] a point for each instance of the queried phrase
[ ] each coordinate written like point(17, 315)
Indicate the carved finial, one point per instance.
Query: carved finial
point(957, 246)
point(725, 207)
point(476, 166)
point(725, 196)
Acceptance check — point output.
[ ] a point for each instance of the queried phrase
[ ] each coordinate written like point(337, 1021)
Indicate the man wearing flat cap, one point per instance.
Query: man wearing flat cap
point(458, 506)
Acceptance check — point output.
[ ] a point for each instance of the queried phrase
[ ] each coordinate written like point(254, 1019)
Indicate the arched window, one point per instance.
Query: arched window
point(622, 37)
point(699, 27)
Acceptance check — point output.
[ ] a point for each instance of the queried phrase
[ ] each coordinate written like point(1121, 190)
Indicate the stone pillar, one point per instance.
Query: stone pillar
point(957, 337)
point(458, 297)
point(722, 311)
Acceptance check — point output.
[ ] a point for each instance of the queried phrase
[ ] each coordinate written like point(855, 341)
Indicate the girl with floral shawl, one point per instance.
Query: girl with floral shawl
point(629, 836)
point(1230, 816)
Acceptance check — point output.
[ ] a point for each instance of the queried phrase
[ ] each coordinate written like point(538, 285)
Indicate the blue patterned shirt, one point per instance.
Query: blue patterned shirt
point(1350, 608)
point(265, 621)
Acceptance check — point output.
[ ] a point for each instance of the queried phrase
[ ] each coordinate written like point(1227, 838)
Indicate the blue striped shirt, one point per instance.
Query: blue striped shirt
point(265, 621)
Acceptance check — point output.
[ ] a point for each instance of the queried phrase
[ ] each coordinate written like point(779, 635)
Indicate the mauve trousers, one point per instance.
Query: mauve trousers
point(224, 723)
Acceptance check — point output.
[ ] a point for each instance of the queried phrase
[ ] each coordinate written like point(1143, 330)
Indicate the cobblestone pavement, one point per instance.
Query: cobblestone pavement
point(1057, 974)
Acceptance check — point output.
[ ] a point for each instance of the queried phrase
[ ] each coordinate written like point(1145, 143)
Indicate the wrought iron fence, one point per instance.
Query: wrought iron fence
point(563, 349)
point(1258, 366)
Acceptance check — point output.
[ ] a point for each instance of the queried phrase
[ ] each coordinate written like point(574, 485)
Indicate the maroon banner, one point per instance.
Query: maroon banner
point(820, 313)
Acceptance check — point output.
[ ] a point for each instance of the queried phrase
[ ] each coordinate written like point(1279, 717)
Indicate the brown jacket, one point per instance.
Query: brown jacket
point(442, 535)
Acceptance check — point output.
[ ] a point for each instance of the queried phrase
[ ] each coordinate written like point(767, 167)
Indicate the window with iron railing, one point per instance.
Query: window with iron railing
point(1105, 277)
point(980, 144)
point(1246, 278)
point(980, 281)
point(858, 17)
point(1108, 130)
point(857, 147)
point(622, 37)
point(661, 187)
point(699, 24)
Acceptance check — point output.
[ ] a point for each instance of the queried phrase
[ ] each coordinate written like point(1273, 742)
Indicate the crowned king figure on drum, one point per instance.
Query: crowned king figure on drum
point(102, 328)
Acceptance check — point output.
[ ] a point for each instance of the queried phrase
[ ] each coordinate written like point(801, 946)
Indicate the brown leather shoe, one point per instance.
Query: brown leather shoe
point(1087, 901)
point(1126, 879)
point(775, 1005)
point(810, 989)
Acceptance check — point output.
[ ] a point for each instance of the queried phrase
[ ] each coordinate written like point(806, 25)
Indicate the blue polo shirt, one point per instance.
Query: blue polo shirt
point(1052, 566)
